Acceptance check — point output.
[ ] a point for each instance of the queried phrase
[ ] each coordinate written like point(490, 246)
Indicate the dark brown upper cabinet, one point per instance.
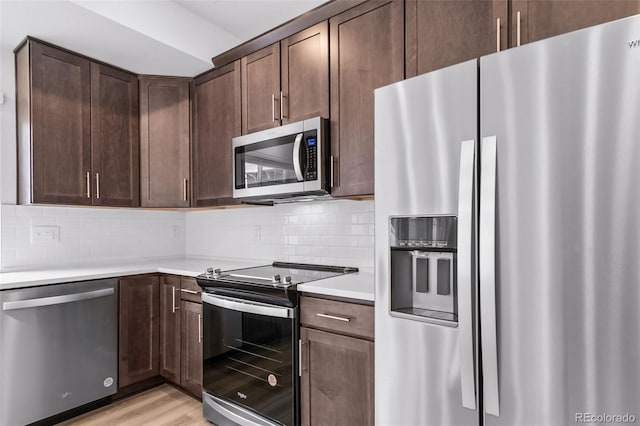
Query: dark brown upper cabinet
point(78, 140)
point(367, 52)
point(53, 124)
point(115, 147)
point(261, 89)
point(534, 20)
point(287, 81)
point(164, 142)
point(440, 33)
point(215, 120)
point(305, 74)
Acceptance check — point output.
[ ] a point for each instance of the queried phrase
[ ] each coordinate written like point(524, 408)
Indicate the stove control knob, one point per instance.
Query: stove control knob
point(217, 273)
point(287, 279)
point(209, 271)
point(275, 279)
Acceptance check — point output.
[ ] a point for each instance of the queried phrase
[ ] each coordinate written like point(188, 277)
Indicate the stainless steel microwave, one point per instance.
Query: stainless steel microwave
point(282, 162)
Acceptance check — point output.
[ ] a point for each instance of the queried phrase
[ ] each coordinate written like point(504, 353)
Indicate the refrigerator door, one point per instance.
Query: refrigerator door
point(425, 371)
point(565, 114)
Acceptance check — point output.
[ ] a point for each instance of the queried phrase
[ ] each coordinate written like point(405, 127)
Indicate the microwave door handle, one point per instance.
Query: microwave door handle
point(296, 158)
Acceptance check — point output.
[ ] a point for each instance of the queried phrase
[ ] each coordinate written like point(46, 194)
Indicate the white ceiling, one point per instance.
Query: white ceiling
point(163, 37)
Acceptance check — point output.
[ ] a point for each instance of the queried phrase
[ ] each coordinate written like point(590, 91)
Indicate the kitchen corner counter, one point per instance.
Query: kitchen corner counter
point(359, 286)
point(92, 271)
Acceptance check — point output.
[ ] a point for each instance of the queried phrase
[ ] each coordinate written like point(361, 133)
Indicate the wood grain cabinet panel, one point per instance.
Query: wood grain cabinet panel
point(440, 33)
point(115, 146)
point(53, 125)
point(540, 19)
point(215, 120)
point(305, 74)
point(367, 52)
point(261, 89)
point(191, 376)
point(170, 328)
point(139, 329)
point(164, 142)
point(337, 379)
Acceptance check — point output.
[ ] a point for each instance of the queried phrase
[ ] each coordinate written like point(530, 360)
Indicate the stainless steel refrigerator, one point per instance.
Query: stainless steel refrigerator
point(507, 240)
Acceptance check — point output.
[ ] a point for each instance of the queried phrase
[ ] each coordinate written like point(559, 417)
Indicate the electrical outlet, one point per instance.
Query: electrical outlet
point(257, 231)
point(173, 232)
point(45, 234)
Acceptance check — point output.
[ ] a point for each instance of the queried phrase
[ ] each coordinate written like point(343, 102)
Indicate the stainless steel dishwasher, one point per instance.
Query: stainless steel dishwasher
point(59, 348)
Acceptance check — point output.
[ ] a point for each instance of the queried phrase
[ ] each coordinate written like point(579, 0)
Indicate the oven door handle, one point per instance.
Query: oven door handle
point(248, 307)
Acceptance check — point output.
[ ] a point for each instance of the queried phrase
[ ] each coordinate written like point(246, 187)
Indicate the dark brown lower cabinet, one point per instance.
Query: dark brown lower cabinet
point(170, 328)
point(337, 379)
point(191, 363)
point(181, 332)
point(139, 329)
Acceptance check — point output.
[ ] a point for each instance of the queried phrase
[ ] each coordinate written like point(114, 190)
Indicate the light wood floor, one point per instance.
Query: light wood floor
point(161, 406)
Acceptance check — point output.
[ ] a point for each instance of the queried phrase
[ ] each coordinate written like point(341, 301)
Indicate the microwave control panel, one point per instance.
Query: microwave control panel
point(311, 171)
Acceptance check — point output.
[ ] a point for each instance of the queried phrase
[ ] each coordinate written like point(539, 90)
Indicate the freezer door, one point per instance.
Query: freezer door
point(425, 130)
point(560, 126)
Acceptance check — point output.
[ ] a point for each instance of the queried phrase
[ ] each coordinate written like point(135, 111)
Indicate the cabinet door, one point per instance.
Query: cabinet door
point(367, 52)
point(170, 328)
point(191, 378)
point(541, 19)
point(216, 119)
point(305, 74)
point(164, 142)
point(138, 347)
point(337, 379)
point(60, 122)
point(115, 145)
point(440, 33)
point(261, 89)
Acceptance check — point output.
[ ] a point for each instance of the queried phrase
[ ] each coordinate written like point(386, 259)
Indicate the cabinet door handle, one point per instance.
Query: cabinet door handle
point(282, 98)
point(174, 308)
point(199, 328)
point(97, 185)
point(184, 290)
point(334, 317)
point(273, 107)
point(518, 28)
point(88, 185)
point(498, 35)
point(184, 189)
point(331, 171)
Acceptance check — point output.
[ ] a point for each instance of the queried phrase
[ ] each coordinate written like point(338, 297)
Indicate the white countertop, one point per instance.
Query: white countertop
point(354, 286)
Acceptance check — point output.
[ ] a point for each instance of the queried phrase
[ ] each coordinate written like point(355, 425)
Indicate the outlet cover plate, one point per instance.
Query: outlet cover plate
point(45, 234)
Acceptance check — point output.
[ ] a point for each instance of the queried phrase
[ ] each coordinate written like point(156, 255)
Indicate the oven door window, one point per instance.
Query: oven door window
point(248, 360)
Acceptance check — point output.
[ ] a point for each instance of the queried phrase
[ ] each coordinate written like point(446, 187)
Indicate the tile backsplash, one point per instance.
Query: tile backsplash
point(338, 232)
point(88, 234)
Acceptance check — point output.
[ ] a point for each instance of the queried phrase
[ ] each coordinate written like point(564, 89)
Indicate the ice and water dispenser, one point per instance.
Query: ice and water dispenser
point(423, 268)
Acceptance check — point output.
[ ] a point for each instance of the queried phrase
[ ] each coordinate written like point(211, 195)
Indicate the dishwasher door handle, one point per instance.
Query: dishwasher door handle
point(56, 300)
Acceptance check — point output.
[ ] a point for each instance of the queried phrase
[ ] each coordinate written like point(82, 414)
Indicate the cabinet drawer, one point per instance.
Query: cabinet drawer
point(190, 290)
point(340, 317)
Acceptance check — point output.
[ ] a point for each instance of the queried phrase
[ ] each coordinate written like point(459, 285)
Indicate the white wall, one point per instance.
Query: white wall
point(336, 232)
point(89, 235)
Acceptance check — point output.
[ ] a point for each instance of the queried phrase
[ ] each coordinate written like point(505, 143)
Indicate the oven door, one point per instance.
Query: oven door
point(250, 362)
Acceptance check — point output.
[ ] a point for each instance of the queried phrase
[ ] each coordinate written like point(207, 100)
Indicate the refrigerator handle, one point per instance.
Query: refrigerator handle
point(489, 335)
point(466, 274)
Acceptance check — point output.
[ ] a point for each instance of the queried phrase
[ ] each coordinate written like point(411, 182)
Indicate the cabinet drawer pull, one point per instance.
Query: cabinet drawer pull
point(331, 171)
point(498, 35)
point(97, 185)
point(174, 308)
point(199, 328)
point(184, 290)
point(333, 317)
point(88, 185)
point(518, 28)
